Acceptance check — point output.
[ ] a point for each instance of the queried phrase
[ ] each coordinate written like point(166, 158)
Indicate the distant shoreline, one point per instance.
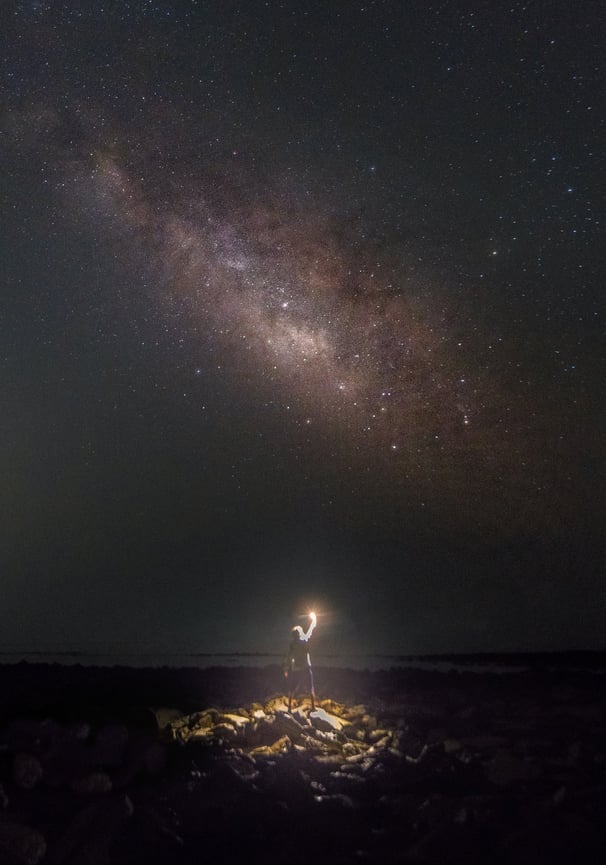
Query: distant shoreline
point(515, 662)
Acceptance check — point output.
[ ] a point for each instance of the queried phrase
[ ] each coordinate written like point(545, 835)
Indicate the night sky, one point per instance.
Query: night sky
point(302, 305)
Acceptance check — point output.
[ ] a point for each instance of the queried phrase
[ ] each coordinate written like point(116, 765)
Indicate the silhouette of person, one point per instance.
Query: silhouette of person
point(298, 664)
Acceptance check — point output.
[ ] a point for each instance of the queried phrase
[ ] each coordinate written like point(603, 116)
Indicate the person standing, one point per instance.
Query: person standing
point(298, 665)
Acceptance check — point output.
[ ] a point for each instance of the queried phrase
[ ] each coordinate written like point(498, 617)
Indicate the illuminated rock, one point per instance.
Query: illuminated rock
point(287, 726)
point(276, 704)
point(165, 716)
point(280, 746)
point(238, 721)
point(323, 720)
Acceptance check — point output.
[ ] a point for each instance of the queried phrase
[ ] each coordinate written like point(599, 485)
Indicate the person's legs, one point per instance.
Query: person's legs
point(295, 685)
point(311, 687)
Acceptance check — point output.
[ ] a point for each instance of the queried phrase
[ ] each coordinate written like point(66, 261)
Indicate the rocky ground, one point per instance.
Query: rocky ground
point(403, 767)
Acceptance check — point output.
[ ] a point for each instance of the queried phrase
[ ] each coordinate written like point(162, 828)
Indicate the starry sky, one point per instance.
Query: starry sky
point(302, 304)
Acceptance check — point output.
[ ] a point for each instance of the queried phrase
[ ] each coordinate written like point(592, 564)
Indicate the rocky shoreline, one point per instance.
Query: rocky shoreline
point(163, 766)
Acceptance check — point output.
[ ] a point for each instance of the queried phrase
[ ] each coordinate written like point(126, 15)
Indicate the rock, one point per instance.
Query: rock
point(262, 732)
point(561, 840)
point(314, 745)
point(339, 799)
point(205, 734)
point(329, 740)
point(287, 726)
point(223, 731)
point(332, 760)
point(165, 716)
point(376, 735)
point(355, 713)
point(109, 746)
point(410, 745)
point(326, 722)
point(483, 743)
point(276, 704)
point(21, 844)
point(143, 755)
point(380, 744)
point(301, 717)
point(454, 842)
point(94, 782)
point(153, 758)
point(27, 735)
point(27, 771)
point(90, 833)
point(195, 726)
point(261, 751)
point(280, 746)
point(80, 732)
point(435, 736)
point(333, 707)
point(355, 733)
point(237, 721)
point(350, 749)
point(504, 769)
point(67, 761)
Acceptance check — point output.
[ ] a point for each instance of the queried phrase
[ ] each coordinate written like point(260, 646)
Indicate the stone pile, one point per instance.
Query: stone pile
point(414, 786)
point(332, 732)
point(428, 777)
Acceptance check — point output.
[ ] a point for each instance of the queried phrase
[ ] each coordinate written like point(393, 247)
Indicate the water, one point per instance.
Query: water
point(235, 659)
point(484, 663)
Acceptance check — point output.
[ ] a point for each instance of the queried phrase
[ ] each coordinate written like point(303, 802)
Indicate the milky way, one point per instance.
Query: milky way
point(343, 338)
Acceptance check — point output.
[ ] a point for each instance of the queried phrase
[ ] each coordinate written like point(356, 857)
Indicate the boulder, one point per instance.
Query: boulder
point(109, 746)
point(240, 722)
point(286, 725)
point(483, 743)
point(354, 713)
point(165, 716)
point(93, 782)
point(27, 771)
point(504, 769)
point(224, 732)
point(323, 720)
point(339, 799)
point(333, 707)
point(378, 734)
point(91, 831)
point(276, 704)
point(281, 746)
point(410, 745)
point(21, 845)
point(67, 760)
point(143, 755)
